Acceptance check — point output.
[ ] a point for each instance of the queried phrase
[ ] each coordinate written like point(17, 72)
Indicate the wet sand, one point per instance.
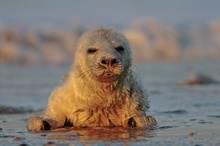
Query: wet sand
point(186, 115)
point(13, 132)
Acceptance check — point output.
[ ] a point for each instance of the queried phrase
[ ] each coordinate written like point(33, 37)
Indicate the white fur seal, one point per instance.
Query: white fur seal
point(100, 89)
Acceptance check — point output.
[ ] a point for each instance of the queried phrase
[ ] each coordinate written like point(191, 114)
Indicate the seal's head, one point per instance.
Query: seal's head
point(103, 55)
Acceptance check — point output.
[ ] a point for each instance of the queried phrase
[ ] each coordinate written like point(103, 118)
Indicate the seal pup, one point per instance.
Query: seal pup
point(100, 89)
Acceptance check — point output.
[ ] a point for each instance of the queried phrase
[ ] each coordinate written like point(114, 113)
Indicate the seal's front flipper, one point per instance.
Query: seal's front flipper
point(141, 121)
point(46, 125)
point(132, 123)
point(37, 123)
point(49, 124)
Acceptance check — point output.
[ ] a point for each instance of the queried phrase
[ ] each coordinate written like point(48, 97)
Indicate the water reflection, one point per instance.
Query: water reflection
point(100, 134)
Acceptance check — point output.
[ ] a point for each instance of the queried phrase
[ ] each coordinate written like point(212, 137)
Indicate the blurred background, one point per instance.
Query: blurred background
point(46, 32)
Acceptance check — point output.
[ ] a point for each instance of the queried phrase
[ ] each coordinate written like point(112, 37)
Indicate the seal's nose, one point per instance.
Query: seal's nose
point(109, 61)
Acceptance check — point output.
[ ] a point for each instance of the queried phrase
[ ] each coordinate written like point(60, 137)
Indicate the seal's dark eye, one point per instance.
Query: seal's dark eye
point(91, 50)
point(120, 49)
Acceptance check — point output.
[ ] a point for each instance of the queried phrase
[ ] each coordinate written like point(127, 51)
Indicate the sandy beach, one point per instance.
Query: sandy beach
point(195, 132)
point(186, 115)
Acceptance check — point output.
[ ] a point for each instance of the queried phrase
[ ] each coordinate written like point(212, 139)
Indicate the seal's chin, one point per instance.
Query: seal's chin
point(107, 78)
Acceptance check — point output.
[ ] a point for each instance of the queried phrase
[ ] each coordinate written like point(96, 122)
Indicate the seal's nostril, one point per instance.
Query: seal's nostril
point(109, 61)
point(103, 61)
point(113, 61)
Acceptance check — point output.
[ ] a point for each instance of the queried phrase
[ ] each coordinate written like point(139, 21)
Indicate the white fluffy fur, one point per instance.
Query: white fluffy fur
point(84, 101)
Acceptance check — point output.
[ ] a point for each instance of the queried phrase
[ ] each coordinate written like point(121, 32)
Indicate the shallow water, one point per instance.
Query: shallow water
point(186, 115)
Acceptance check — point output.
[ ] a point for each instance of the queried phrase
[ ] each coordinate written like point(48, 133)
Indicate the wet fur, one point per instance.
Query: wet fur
point(83, 101)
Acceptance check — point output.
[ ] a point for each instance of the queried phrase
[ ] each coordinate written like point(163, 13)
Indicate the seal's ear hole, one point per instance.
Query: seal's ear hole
point(120, 49)
point(91, 50)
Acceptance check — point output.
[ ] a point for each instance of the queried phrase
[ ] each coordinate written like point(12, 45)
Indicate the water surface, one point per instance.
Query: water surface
point(186, 115)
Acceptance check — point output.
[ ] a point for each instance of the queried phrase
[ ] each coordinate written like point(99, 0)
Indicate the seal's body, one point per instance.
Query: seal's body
point(100, 88)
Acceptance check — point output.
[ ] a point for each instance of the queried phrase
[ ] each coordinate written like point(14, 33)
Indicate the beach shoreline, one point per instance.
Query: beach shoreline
point(186, 114)
point(13, 132)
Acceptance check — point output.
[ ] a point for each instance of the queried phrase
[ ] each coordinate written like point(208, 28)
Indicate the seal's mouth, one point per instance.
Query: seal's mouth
point(107, 77)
